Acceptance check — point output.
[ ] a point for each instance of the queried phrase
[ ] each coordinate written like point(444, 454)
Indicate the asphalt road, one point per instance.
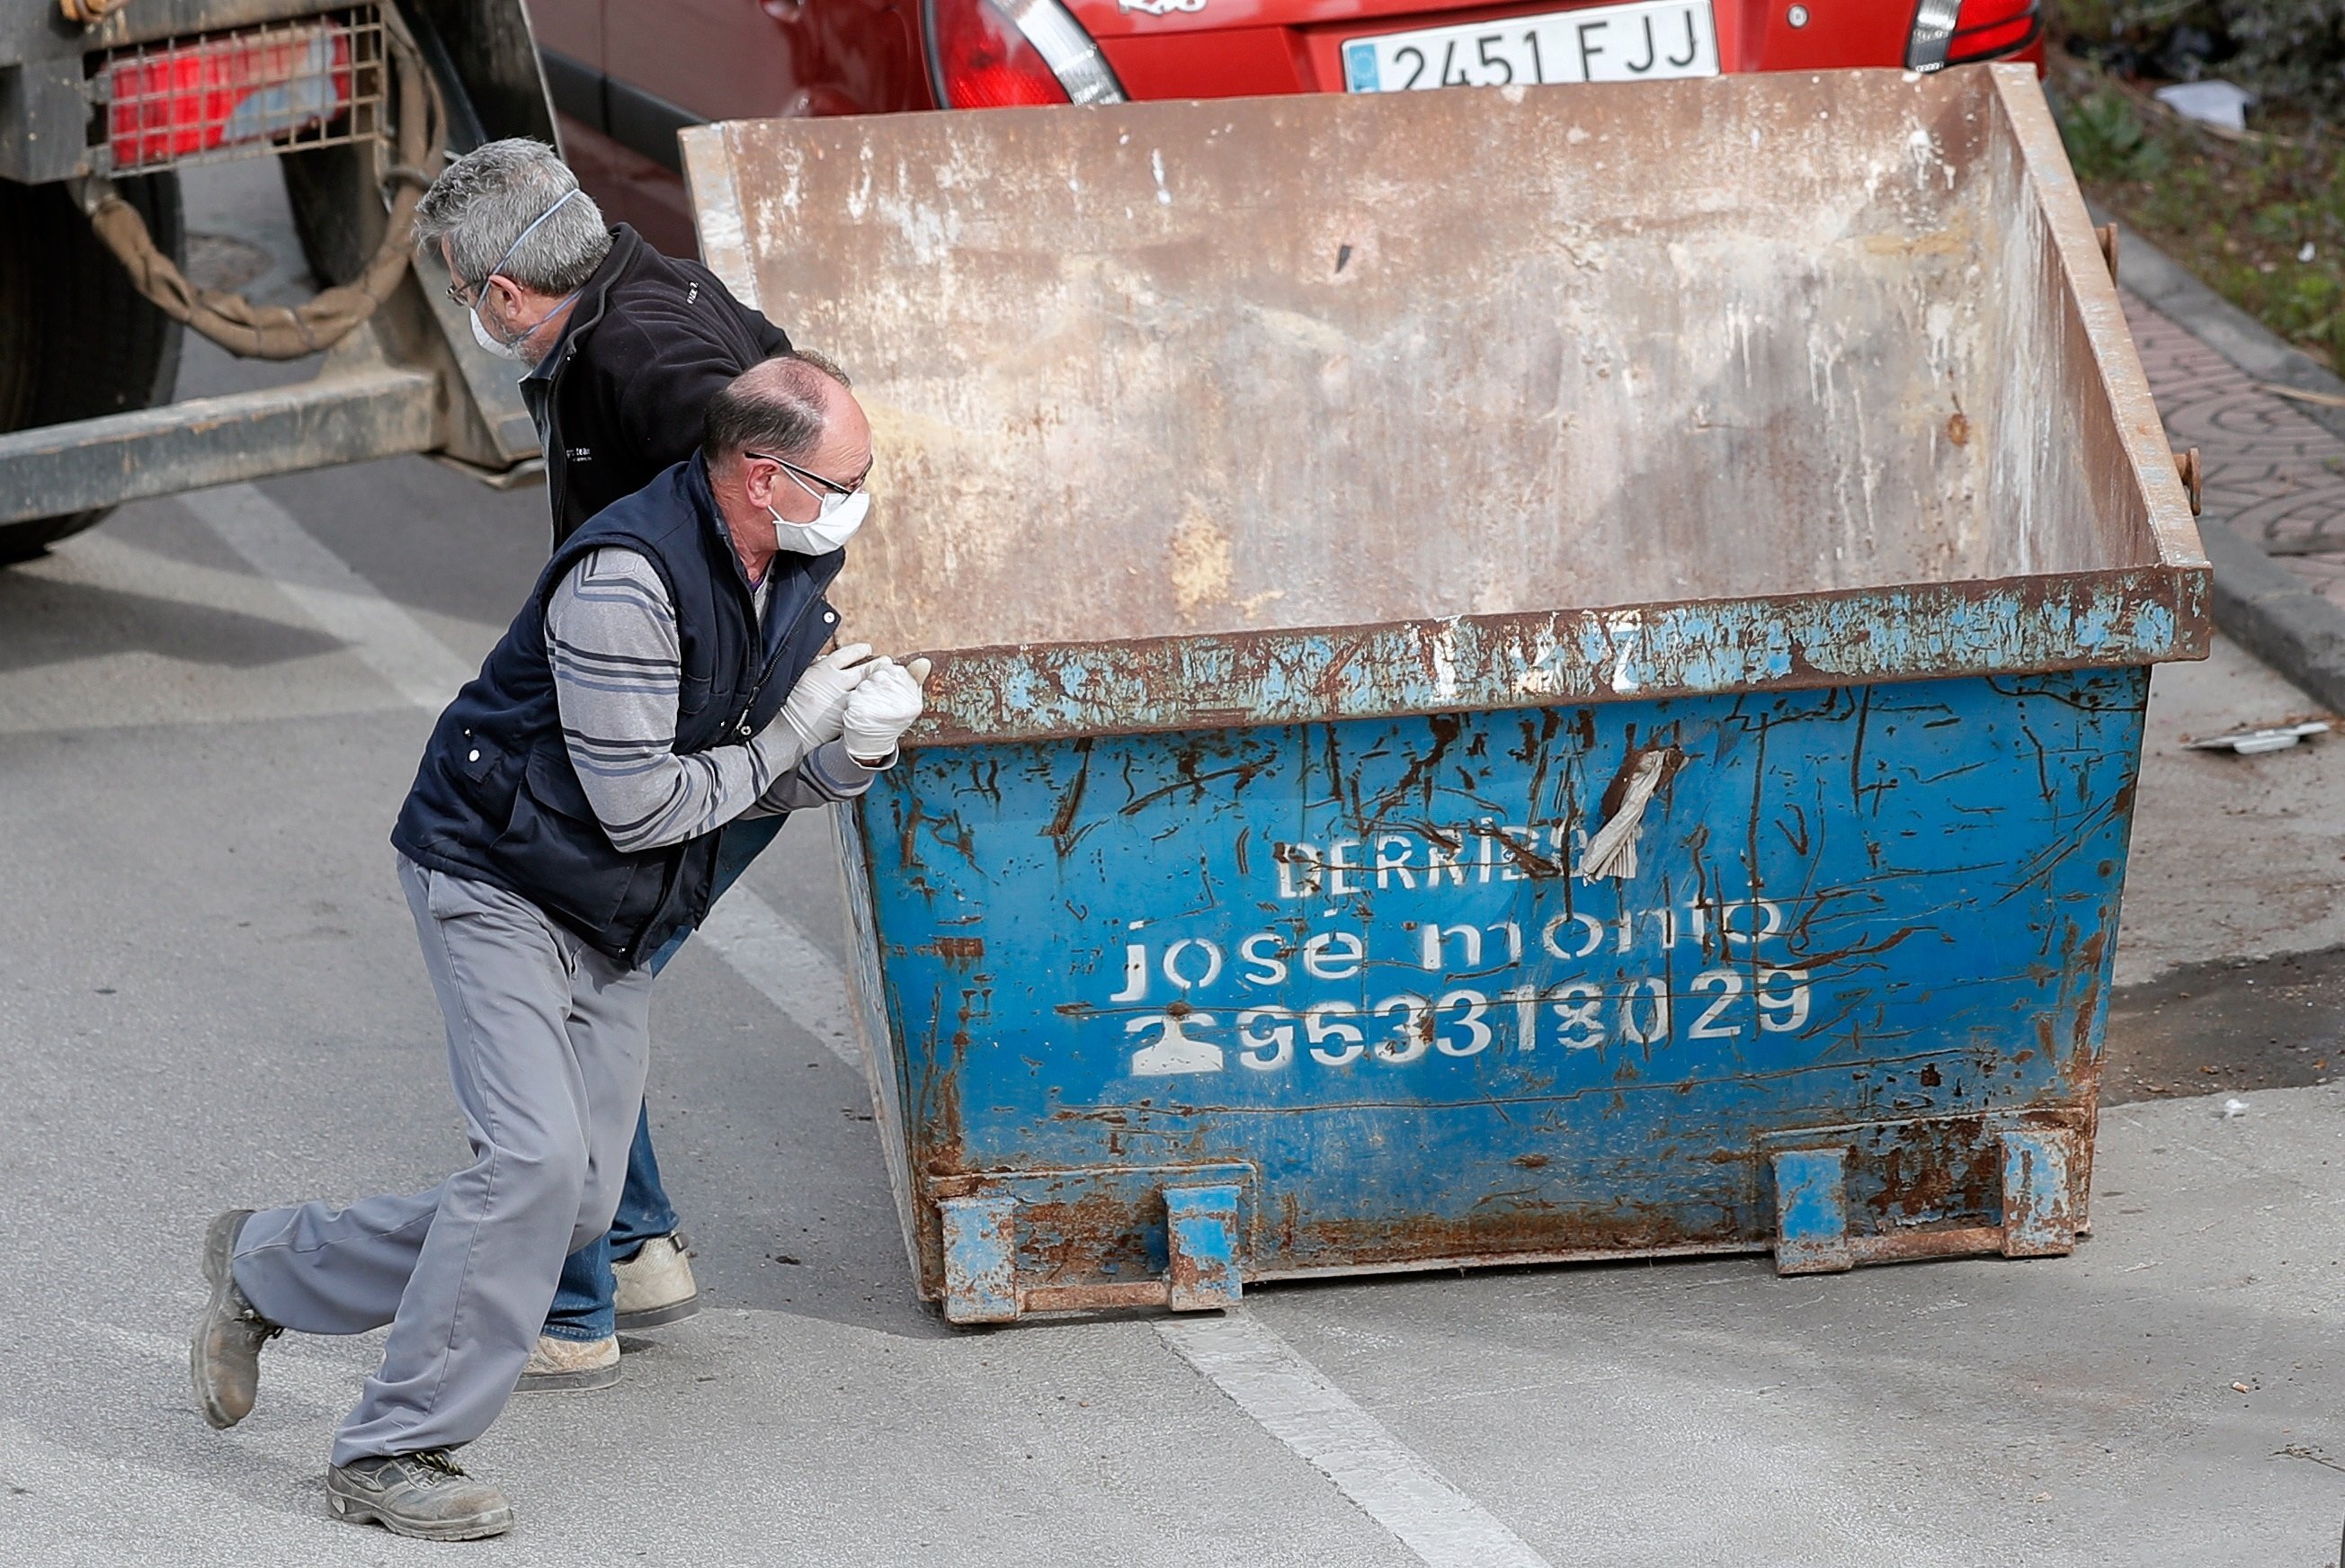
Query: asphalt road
point(208, 712)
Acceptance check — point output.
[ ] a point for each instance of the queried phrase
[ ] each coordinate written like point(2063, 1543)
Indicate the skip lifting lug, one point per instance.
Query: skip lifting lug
point(2037, 1216)
point(1203, 1270)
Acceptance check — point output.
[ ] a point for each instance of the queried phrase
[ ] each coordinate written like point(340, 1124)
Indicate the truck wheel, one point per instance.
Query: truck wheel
point(76, 341)
point(339, 210)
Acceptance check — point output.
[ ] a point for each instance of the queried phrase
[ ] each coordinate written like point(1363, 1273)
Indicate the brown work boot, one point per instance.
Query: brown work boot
point(572, 1364)
point(224, 1357)
point(426, 1496)
point(655, 1286)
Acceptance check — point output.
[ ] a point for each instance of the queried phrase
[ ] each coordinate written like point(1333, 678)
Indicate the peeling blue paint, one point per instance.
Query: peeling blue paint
point(1362, 973)
point(2106, 619)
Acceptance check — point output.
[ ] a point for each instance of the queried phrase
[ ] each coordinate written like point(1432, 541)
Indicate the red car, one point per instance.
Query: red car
point(627, 74)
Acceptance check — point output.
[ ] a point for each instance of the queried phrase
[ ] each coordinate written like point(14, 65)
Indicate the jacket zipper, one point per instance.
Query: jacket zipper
point(742, 724)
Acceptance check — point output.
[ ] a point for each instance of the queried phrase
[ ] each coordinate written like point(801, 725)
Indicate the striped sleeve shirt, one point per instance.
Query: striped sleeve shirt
point(611, 635)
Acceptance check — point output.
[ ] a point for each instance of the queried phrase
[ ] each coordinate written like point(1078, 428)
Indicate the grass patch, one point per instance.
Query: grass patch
point(2260, 217)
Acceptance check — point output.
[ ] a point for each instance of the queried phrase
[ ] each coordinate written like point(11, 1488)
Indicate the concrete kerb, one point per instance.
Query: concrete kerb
point(2270, 611)
point(2257, 601)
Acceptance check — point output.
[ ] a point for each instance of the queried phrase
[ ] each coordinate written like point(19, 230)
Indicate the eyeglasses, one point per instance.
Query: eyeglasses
point(803, 475)
point(459, 293)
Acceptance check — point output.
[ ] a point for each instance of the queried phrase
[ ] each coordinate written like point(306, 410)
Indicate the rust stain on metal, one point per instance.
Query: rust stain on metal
point(2188, 469)
point(1525, 1229)
point(2083, 1067)
point(1098, 1296)
point(1913, 1246)
point(1062, 831)
point(1186, 1280)
point(1672, 369)
point(1672, 759)
point(1084, 1237)
point(1936, 1170)
point(1936, 1165)
point(1788, 642)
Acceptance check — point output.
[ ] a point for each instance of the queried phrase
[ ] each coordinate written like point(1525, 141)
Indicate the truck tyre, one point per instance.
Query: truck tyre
point(339, 210)
point(76, 341)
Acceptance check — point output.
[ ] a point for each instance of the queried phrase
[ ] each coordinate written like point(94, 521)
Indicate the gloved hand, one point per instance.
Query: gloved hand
point(882, 708)
point(815, 708)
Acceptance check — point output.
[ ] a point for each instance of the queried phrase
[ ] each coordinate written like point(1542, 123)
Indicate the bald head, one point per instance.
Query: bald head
point(785, 441)
point(785, 405)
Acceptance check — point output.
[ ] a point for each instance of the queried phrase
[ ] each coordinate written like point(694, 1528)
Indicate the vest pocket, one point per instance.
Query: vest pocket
point(557, 851)
point(476, 755)
point(692, 693)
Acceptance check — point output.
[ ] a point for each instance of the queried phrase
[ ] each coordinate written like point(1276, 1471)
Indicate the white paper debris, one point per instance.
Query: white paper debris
point(2248, 743)
point(1612, 851)
point(2308, 252)
point(2234, 1108)
point(2210, 103)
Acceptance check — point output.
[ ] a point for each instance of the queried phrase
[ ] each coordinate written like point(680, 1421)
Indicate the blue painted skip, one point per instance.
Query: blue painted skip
point(1358, 959)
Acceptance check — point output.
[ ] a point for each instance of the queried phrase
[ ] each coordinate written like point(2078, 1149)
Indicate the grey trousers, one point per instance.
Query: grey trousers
point(547, 1043)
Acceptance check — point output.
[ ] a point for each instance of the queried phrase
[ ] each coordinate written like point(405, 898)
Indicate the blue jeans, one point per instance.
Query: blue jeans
point(583, 1300)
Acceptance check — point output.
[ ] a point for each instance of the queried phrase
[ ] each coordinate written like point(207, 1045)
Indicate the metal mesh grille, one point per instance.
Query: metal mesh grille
point(318, 81)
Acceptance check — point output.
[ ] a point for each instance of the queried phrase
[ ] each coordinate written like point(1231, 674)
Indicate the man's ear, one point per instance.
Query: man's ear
point(509, 299)
point(756, 481)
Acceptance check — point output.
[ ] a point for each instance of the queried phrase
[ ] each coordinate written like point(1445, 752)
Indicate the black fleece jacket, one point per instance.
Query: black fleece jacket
point(621, 396)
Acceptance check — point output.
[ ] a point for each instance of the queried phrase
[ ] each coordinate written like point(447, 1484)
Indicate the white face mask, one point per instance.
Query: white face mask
point(513, 350)
point(840, 516)
point(497, 346)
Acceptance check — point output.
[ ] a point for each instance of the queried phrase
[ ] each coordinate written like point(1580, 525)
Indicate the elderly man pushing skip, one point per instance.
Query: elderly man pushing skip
point(664, 678)
point(623, 347)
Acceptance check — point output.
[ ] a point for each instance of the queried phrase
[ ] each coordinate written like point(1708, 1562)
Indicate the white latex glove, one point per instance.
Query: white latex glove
point(882, 708)
point(815, 708)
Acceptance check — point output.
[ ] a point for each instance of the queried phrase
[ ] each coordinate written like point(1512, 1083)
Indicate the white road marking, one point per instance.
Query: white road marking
point(793, 974)
point(1296, 1403)
point(389, 640)
point(156, 667)
point(746, 931)
point(105, 559)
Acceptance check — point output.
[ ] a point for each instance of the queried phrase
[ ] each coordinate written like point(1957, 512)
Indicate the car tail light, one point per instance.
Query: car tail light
point(993, 54)
point(1958, 31)
point(187, 97)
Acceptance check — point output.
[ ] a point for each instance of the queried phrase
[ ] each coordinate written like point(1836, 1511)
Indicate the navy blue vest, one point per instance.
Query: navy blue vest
point(496, 798)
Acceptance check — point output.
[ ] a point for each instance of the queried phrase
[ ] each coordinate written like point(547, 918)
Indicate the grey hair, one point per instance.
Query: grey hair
point(485, 200)
point(776, 405)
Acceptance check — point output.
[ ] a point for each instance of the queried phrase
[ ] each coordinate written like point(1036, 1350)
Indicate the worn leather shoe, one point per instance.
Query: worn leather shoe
point(224, 1357)
point(558, 1364)
point(426, 1496)
point(655, 1286)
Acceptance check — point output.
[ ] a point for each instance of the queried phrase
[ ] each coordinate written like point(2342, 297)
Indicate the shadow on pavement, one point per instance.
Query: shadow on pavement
point(51, 621)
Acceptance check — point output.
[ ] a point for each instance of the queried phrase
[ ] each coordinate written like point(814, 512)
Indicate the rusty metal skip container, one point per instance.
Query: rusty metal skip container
point(1521, 675)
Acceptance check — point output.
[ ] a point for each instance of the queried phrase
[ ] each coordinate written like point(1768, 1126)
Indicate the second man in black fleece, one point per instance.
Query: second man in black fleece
point(624, 349)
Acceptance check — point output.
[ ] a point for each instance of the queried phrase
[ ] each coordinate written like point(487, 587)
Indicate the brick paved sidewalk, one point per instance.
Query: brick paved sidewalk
point(2275, 476)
